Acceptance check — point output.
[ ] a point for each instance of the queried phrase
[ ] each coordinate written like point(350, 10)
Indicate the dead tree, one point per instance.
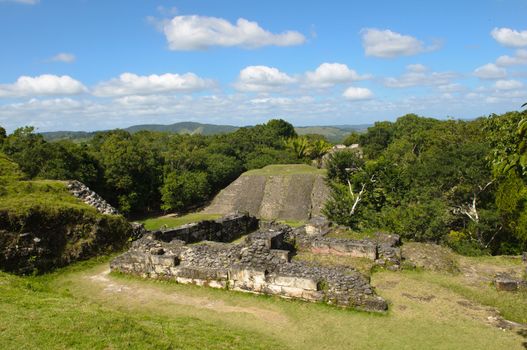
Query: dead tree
point(357, 197)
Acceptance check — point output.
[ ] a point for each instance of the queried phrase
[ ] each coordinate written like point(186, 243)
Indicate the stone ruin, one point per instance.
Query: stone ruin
point(82, 192)
point(200, 253)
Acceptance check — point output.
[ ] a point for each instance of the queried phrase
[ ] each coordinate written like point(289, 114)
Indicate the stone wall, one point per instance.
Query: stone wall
point(82, 192)
point(225, 229)
point(260, 264)
point(382, 248)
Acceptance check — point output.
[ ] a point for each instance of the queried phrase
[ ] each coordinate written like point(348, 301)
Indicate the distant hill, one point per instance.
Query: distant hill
point(179, 128)
point(185, 128)
point(333, 133)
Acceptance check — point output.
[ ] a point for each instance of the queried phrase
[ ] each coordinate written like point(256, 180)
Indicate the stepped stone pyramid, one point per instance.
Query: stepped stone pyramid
point(287, 192)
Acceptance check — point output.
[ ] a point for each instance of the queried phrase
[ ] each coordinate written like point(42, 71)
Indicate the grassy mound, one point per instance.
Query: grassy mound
point(156, 223)
point(42, 226)
point(285, 169)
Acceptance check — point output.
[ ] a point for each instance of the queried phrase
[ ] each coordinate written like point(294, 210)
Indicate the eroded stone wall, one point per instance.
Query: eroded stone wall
point(259, 264)
point(83, 192)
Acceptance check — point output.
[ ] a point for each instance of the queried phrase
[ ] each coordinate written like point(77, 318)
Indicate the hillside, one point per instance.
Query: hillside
point(287, 192)
point(179, 128)
point(334, 134)
point(43, 226)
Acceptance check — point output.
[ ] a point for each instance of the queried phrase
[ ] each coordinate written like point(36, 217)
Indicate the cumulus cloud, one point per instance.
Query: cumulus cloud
point(508, 84)
point(510, 37)
point(490, 71)
point(388, 44)
point(329, 74)
point(420, 75)
point(262, 79)
point(186, 33)
point(63, 57)
point(133, 84)
point(519, 58)
point(45, 84)
point(357, 93)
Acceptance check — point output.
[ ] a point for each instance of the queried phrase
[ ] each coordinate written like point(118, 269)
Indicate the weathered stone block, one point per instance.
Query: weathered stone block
point(506, 284)
point(292, 292)
point(296, 282)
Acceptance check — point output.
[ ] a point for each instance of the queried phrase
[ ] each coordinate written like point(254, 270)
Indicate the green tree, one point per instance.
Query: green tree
point(27, 149)
point(281, 128)
point(182, 190)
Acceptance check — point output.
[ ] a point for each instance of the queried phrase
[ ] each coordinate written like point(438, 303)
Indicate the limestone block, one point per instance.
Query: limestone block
point(183, 280)
point(313, 295)
point(271, 288)
point(296, 282)
point(217, 284)
point(292, 292)
point(248, 275)
point(506, 284)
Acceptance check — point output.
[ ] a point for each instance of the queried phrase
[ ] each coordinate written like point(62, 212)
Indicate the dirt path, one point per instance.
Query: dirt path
point(142, 294)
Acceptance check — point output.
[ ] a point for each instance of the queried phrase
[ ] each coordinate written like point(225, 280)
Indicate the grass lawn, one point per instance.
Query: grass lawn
point(173, 221)
point(285, 169)
point(84, 307)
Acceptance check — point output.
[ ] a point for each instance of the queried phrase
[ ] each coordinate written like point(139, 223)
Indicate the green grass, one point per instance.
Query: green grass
point(363, 265)
point(21, 196)
point(512, 305)
point(285, 169)
point(35, 314)
point(73, 308)
point(349, 234)
point(171, 221)
point(292, 223)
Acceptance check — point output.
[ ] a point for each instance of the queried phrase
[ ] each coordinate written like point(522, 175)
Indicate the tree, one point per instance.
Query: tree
point(353, 138)
point(281, 128)
point(181, 190)
point(298, 145)
point(3, 135)
point(317, 149)
point(27, 149)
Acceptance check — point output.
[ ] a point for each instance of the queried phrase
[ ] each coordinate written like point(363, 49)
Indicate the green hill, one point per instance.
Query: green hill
point(43, 226)
point(334, 134)
point(179, 128)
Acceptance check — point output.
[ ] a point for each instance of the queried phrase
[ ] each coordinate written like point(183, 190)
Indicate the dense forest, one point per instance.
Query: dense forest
point(460, 183)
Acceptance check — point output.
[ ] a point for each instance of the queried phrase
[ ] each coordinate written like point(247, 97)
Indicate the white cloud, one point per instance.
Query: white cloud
point(509, 37)
point(133, 84)
point(185, 33)
point(490, 71)
point(519, 58)
point(452, 87)
point(508, 84)
point(45, 84)
point(26, 2)
point(357, 93)
point(420, 75)
point(388, 44)
point(329, 74)
point(63, 57)
point(262, 79)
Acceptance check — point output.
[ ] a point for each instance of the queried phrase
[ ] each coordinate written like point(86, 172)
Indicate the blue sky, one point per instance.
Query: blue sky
point(88, 65)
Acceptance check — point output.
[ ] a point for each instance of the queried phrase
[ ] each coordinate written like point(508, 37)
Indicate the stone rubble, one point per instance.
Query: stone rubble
point(82, 192)
point(198, 254)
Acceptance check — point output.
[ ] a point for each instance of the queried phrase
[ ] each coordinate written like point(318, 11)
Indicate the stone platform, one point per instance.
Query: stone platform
point(260, 263)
